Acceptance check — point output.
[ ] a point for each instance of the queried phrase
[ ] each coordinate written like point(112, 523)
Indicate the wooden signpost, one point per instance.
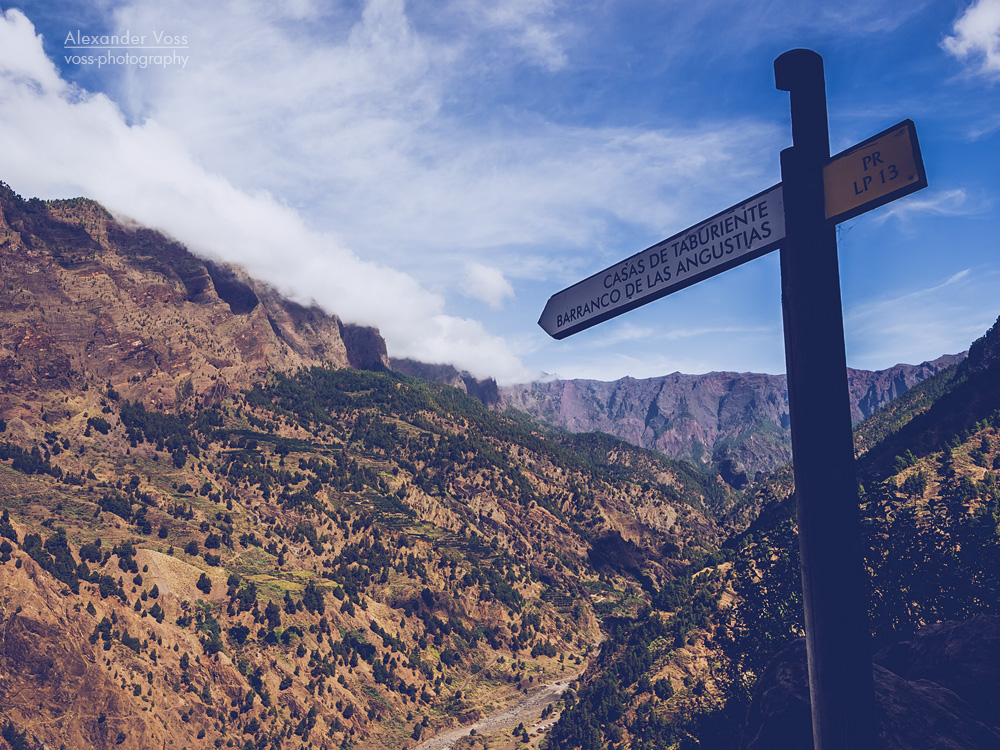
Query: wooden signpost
point(799, 216)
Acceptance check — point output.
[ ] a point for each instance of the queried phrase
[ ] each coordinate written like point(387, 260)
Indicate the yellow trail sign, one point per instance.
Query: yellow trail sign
point(872, 173)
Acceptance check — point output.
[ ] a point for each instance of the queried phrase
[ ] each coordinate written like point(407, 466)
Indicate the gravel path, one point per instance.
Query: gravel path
point(505, 720)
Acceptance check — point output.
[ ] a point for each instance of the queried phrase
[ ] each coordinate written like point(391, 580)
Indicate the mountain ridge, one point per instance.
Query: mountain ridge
point(87, 298)
point(738, 421)
point(232, 533)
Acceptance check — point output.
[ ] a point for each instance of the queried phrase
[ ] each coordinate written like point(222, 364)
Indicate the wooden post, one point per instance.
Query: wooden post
point(837, 635)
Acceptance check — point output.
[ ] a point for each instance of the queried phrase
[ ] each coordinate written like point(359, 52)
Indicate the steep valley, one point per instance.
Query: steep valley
point(930, 510)
point(218, 532)
point(323, 555)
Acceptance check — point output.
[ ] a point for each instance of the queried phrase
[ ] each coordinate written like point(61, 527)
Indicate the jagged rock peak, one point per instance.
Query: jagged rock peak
point(985, 351)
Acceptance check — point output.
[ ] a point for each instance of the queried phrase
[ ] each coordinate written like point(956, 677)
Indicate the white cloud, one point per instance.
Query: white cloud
point(361, 131)
point(486, 284)
point(977, 37)
point(26, 63)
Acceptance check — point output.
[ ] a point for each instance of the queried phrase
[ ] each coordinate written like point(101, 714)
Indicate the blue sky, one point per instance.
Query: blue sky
point(439, 169)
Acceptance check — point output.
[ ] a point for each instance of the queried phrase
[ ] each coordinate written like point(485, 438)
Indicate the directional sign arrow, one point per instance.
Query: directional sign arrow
point(872, 173)
point(746, 231)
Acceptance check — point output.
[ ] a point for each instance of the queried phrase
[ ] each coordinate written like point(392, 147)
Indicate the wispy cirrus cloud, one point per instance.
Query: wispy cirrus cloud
point(938, 203)
point(533, 27)
point(942, 318)
point(624, 331)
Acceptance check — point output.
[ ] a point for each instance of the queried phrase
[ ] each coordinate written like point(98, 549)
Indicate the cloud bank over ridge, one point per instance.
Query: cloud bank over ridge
point(61, 139)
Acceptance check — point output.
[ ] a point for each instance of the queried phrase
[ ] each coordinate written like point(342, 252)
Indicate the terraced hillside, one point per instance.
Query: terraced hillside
point(334, 558)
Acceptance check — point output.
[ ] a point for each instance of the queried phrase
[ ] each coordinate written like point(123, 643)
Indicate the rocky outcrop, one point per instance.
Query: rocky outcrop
point(738, 421)
point(870, 390)
point(365, 347)
point(485, 390)
point(87, 298)
point(985, 351)
point(938, 689)
point(963, 657)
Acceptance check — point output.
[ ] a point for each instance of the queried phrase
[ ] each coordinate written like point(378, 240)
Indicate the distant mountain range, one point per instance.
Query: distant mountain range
point(738, 421)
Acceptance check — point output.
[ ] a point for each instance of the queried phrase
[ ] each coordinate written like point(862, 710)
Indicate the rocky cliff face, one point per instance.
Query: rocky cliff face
point(738, 420)
point(985, 351)
point(87, 298)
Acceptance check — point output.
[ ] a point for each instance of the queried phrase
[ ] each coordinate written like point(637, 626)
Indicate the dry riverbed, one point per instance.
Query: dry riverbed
point(527, 711)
